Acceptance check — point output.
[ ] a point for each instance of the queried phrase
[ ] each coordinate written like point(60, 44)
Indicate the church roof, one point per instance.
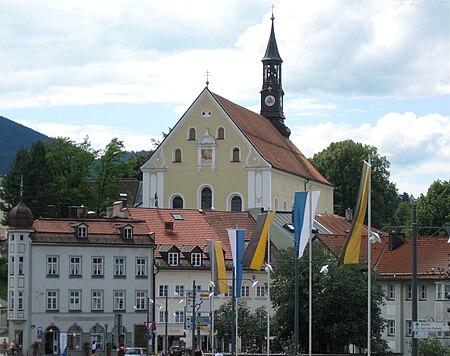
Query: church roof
point(272, 53)
point(278, 150)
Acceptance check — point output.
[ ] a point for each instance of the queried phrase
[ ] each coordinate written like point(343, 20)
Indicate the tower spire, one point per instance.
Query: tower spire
point(272, 90)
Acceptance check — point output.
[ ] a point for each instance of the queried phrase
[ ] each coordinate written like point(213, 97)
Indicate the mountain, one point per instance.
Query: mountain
point(12, 137)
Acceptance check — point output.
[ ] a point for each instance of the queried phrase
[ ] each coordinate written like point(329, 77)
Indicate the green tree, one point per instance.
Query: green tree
point(341, 163)
point(433, 209)
point(339, 303)
point(38, 180)
point(135, 162)
point(107, 170)
point(434, 347)
point(250, 326)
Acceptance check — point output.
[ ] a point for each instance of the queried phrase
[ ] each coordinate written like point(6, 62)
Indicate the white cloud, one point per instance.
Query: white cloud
point(417, 147)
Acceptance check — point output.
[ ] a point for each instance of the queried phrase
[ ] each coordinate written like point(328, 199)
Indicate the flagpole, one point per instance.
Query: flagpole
point(369, 263)
point(268, 281)
point(310, 272)
point(213, 266)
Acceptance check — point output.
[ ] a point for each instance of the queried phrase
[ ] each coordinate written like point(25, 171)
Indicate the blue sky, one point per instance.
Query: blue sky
point(373, 71)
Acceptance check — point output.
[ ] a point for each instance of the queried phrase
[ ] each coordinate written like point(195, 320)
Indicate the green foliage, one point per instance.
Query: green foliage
point(433, 209)
point(339, 311)
point(251, 326)
point(341, 163)
point(433, 347)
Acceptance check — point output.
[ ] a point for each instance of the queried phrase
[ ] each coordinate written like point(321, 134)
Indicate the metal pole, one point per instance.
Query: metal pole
point(148, 329)
point(296, 307)
point(166, 319)
point(414, 276)
point(310, 335)
point(268, 281)
point(194, 317)
point(233, 316)
point(369, 264)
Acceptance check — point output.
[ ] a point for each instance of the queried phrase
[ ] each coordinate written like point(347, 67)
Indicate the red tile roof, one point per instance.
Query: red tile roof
point(100, 231)
point(433, 256)
point(279, 151)
point(195, 228)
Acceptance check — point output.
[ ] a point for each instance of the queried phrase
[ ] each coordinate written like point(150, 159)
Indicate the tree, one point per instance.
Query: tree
point(135, 162)
point(339, 303)
point(341, 163)
point(250, 326)
point(107, 170)
point(434, 347)
point(433, 209)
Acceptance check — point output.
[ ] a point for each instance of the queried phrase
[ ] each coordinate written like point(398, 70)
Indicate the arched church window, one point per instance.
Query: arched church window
point(236, 203)
point(177, 202)
point(192, 134)
point(220, 133)
point(206, 198)
point(236, 155)
point(177, 155)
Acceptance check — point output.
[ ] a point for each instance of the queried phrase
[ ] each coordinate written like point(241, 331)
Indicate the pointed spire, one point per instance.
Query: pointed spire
point(272, 53)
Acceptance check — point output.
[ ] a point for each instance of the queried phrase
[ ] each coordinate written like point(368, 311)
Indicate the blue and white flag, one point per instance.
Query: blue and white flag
point(305, 206)
point(237, 241)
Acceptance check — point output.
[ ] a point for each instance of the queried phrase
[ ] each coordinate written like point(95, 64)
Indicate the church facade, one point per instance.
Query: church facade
point(222, 156)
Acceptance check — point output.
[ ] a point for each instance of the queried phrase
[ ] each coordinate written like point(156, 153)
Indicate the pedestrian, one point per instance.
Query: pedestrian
point(93, 347)
point(218, 352)
point(121, 350)
point(198, 352)
point(4, 346)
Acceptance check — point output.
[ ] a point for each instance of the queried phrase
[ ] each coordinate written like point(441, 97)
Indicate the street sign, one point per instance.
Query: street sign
point(202, 301)
point(421, 334)
point(431, 326)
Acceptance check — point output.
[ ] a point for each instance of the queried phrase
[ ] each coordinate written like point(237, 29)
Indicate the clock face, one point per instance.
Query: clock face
point(269, 100)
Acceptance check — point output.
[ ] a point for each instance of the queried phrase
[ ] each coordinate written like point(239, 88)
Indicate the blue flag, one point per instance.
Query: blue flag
point(237, 241)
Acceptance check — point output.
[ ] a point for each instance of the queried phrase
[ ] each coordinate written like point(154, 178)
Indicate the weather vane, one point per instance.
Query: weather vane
point(207, 75)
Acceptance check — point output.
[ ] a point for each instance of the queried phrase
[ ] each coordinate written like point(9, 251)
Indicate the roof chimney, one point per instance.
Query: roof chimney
point(123, 197)
point(168, 225)
point(396, 240)
point(349, 214)
point(51, 211)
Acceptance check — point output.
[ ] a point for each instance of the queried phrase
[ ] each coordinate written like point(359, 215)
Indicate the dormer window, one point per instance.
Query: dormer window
point(196, 259)
point(127, 232)
point(173, 258)
point(82, 230)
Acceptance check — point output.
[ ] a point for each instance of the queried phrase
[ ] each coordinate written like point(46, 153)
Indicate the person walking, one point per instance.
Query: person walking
point(93, 347)
point(218, 352)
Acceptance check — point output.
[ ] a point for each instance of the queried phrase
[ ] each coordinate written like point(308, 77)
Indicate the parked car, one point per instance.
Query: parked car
point(135, 351)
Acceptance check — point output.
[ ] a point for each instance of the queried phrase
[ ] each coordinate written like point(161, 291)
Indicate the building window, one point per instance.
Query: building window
point(74, 338)
point(127, 232)
point(119, 266)
point(192, 134)
point(176, 155)
point(177, 202)
point(20, 300)
point(245, 291)
point(408, 292)
point(52, 265)
point(206, 198)
point(75, 300)
point(423, 292)
point(220, 133)
point(52, 300)
point(179, 316)
point(163, 316)
point(180, 290)
point(20, 266)
point(236, 203)
point(75, 266)
point(97, 300)
point(391, 327)
point(163, 290)
point(97, 266)
point(140, 299)
point(229, 292)
point(442, 290)
point(119, 300)
point(11, 300)
point(11, 265)
point(196, 259)
point(236, 156)
point(82, 231)
point(141, 267)
point(173, 259)
point(409, 328)
point(391, 292)
point(260, 291)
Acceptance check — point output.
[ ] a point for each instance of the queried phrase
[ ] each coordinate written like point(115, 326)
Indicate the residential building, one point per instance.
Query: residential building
point(77, 280)
point(230, 158)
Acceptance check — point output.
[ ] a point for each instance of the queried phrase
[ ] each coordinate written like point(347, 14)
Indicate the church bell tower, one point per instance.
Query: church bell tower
point(272, 90)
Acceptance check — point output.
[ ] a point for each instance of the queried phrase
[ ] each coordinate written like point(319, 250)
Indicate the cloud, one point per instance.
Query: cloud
point(418, 147)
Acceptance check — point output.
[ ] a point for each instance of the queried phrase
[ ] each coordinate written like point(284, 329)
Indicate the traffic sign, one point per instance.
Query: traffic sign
point(430, 326)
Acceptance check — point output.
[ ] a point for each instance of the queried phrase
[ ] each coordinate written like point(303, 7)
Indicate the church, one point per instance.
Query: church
point(222, 156)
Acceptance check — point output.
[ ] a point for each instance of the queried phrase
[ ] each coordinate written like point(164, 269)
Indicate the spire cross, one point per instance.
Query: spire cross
point(207, 75)
point(272, 18)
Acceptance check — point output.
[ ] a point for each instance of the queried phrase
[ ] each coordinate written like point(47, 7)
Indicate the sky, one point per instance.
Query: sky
point(374, 71)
